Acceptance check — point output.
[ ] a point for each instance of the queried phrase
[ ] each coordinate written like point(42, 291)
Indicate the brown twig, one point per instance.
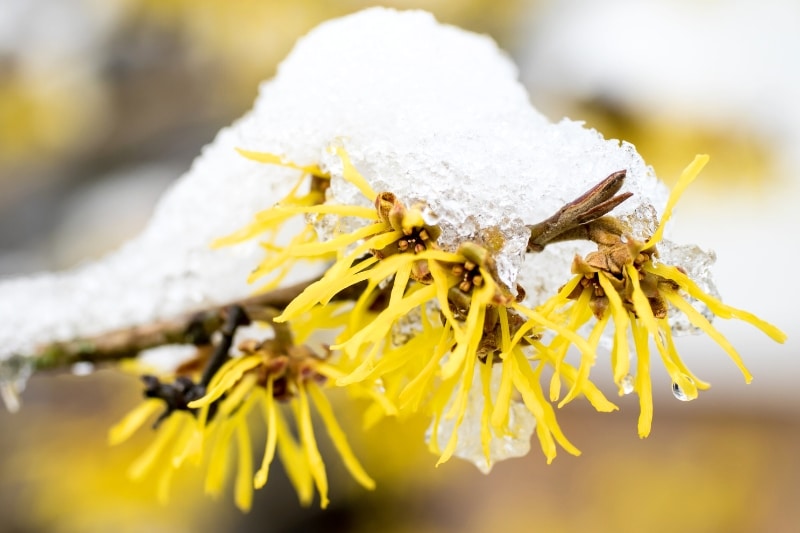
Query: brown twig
point(590, 206)
point(192, 328)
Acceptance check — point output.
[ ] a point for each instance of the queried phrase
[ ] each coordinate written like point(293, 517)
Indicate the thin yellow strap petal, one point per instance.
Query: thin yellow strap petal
point(145, 462)
point(440, 281)
point(573, 337)
point(238, 395)
point(644, 387)
point(465, 352)
point(687, 177)
point(219, 459)
point(412, 395)
point(243, 487)
point(122, 430)
point(646, 317)
point(717, 307)
point(486, 415)
point(578, 316)
point(383, 322)
point(294, 462)
point(227, 379)
point(526, 381)
point(458, 410)
point(700, 321)
point(270, 417)
point(665, 327)
point(338, 437)
point(265, 157)
point(622, 360)
point(562, 297)
point(164, 484)
point(502, 406)
point(586, 362)
point(186, 443)
point(353, 176)
point(302, 414)
point(590, 390)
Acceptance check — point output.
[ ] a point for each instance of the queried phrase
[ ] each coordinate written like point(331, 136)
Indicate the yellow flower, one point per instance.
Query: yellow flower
point(278, 262)
point(624, 281)
point(271, 374)
point(175, 442)
point(421, 329)
point(398, 269)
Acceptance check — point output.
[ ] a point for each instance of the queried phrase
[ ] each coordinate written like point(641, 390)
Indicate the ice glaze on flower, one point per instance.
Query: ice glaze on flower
point(624, 281)
point(398, 270)
point(421, 329)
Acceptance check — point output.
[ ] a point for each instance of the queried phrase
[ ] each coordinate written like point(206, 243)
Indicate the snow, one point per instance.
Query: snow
point(429, 112)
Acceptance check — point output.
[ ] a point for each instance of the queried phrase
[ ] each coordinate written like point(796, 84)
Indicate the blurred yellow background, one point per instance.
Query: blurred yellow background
point(104, 103)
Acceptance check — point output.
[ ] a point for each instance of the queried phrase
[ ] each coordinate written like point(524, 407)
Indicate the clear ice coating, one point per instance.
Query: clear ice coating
point(697, 264)
point(516, 444)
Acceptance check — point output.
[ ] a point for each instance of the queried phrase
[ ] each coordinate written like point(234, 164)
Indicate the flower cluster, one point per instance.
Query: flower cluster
point(421, 328)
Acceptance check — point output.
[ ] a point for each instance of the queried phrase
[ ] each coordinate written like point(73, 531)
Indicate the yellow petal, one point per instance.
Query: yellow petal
point(270, 416)
point(457, 410)
point(338, 437)
point(717, 307)
point(586, 362)
point(644, 386)
point(353, 176)
point(621, 355)
point(503, 401)
point(700, 321)
point(465, 353)
point(122, 430)
point(665, 327)
point(219, 458)
point(646, 317)
point(687, 177)
point(294, 462)
point(243, 488)
point(526, 380)
point(486, 388)
point(302, 414)
point(264, 157)
point(225, 378)
point(166, 433)
point(378, 328)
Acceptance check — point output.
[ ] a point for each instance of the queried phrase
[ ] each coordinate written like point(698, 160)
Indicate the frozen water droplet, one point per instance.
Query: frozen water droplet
point(643, 222)
point(677, 391)
point(627, 384)
point(14, 374)
point(82, 368)
point(623, 238)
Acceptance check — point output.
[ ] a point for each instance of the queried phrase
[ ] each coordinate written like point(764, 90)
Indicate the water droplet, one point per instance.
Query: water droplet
point(14, 374)
point(677, 391)
point(627, 384)
point(82, 368)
